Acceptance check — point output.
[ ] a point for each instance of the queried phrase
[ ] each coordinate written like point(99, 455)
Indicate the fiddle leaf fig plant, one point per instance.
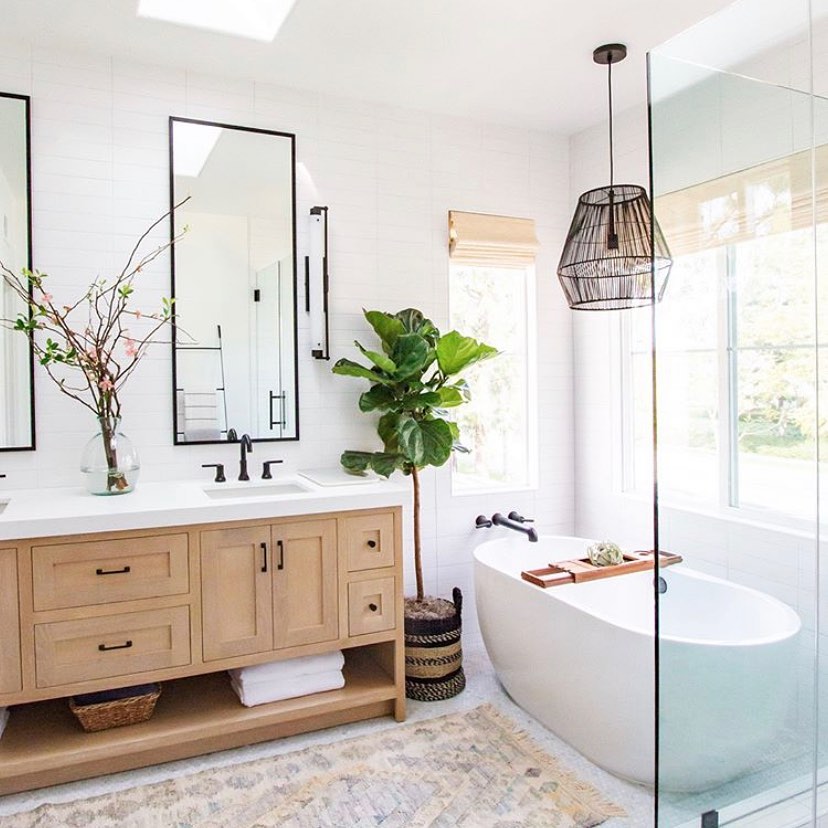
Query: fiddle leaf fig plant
point(414, 380)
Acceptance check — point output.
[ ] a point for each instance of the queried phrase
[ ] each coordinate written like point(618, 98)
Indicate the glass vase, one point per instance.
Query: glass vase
point(109, 462)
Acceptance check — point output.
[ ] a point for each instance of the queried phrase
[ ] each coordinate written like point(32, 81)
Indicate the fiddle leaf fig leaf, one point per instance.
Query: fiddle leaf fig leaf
point(349, 368)
point(449, 396)
point(456, 352)
point(376, 398)
point(425, 442)
point(388, 430)
point(386, 327)
point(410, 354)
point(383, 463)
point(414, 322)
point(415, 402)
point(382, 362)
point(356, 462)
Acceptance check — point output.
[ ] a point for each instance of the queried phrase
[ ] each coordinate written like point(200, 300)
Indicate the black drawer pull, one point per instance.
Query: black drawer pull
point(112, 571)
point(106, 647)
point(372, 544)
point(373, 607)
point(264, 557)
point(281, 564)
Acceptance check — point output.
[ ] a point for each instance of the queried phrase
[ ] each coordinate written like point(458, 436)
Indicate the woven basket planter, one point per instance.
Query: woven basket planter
point(434, 655)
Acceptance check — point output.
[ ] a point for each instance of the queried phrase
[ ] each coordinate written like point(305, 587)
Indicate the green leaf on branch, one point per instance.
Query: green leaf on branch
point(420, 402)
point(382, 362)
point(413, 321)
point(449, 396)
point(349, 368)
point(410, 354)
point(376, 398)
point(386, 327)
point(456, 352)
point(388, 429)
point(358, 462)
point(425, 442)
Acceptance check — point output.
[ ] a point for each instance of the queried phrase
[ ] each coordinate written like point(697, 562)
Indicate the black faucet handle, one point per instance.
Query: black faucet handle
point(482, 522)
point(266, 475)
point(219, 467)
point(520, 518)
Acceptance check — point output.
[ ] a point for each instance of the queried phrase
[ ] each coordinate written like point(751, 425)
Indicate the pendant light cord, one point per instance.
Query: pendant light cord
point(609, 97)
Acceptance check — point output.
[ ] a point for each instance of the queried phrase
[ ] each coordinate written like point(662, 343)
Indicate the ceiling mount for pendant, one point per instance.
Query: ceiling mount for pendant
point(615, 256)
point(609, 53)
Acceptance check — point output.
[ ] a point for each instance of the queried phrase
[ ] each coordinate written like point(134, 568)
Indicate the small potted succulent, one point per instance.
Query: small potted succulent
point(413, 380)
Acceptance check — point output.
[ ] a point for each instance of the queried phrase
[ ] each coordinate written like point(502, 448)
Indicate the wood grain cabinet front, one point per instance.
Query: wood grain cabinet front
point(368, 541)
point(84, 573)
point(371, 606)
point(111, 645)
point(10, 674)
point(268, 587)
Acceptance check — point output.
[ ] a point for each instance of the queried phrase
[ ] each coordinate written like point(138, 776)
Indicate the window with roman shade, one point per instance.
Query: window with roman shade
point(492, 298)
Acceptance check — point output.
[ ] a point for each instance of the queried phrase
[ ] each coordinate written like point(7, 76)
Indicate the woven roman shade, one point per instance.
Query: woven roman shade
point(482, 239)
point(773, 197)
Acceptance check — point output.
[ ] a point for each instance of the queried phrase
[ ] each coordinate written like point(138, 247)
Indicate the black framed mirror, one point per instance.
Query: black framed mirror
point(17, 420)
point(233, 282)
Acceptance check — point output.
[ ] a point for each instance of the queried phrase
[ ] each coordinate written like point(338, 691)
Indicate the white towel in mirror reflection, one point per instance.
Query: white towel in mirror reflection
point(198, 415)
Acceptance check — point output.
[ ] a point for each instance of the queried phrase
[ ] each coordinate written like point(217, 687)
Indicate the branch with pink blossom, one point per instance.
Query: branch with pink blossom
point(91, 346)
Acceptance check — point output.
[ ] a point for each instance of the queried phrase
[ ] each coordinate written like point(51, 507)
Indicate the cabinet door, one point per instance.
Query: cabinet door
point(305, 600)
point(10, 676)
point(236, 592)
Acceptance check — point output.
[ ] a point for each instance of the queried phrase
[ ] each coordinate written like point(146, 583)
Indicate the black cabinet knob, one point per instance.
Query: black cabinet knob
point(373, 607)
point(372, 544)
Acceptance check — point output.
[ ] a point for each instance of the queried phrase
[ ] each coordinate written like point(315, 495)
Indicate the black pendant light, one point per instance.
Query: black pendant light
point(615, 256)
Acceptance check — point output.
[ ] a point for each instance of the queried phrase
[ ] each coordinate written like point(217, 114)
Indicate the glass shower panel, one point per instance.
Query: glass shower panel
point(738, 409)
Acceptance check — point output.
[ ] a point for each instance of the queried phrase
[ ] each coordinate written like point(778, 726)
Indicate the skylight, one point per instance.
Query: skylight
point(256, 19)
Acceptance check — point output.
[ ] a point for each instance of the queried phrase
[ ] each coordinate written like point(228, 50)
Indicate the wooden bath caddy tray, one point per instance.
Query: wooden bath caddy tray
point(577, 571)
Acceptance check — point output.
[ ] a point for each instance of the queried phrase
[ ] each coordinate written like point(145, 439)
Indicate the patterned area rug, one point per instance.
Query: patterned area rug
point(472, 769)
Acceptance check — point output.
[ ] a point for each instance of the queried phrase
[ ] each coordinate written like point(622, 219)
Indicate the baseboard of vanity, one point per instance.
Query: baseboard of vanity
point(44, 744)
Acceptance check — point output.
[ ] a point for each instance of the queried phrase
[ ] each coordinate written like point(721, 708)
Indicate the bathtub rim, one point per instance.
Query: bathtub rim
point(790, 630)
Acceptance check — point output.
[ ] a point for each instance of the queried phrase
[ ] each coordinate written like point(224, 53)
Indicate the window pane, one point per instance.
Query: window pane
point(774, 284)
point(491, 304)
point(776, 429)
point(688, 424)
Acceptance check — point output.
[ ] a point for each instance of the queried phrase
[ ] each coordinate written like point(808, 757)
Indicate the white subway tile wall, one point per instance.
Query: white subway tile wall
point(389, 176)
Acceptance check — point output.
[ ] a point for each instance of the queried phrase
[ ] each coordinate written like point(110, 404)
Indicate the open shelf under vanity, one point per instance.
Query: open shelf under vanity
point(44, 744)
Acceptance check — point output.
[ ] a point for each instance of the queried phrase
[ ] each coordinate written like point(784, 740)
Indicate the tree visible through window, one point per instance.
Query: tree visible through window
point(495, 305)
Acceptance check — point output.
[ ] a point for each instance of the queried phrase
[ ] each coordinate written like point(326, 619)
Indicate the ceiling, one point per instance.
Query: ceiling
point(526, 63)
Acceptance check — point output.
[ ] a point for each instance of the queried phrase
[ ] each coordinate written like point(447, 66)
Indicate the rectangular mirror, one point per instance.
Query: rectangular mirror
point(234, 282)
point(16, 359)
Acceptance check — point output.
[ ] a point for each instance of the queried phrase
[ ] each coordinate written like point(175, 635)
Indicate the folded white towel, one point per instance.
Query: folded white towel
point(277, 671)
point(4, 718)
point(262, 693)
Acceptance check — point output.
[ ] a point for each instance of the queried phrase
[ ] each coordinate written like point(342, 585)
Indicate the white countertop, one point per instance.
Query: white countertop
point(36, 513)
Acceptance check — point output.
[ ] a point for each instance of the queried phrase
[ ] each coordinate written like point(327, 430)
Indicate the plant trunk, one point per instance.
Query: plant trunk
point(418, 558)
point(115, 478)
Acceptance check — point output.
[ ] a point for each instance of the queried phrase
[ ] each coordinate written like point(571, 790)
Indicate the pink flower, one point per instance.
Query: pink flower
point(137, 313)
point(46, 298)
point(130, 348)
point(106, 384)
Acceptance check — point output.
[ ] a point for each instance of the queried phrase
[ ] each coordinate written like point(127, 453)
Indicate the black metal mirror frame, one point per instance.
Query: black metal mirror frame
point(172, 121)
point(27, 108)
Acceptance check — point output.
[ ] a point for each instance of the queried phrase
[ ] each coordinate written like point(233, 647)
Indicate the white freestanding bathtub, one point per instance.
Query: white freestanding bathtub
point(581, 659)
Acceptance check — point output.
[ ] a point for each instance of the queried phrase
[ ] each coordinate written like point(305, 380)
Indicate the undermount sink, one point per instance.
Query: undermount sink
point(271, 490)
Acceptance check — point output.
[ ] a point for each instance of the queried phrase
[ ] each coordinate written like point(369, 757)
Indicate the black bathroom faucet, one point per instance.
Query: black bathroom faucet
point(518, 526)
point(246, 445)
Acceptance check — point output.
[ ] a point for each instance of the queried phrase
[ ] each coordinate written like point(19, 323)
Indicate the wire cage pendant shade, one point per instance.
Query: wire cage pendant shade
point(615, 255)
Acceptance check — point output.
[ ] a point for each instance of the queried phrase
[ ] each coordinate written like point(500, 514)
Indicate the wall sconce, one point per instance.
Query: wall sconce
point(316, 283)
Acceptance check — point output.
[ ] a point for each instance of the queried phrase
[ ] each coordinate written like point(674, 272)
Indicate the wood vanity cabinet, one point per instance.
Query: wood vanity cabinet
point(268, 587)
point(181, 605)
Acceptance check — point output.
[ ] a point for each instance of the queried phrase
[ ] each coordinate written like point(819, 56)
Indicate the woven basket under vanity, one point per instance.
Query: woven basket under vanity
point(116, 712)
point(434, 655)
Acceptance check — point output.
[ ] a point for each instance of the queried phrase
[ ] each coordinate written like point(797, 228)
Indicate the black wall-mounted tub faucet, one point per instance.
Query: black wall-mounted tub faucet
point(529, 531)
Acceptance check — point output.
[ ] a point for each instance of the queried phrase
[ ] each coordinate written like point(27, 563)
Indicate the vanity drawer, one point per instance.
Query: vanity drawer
point(369, 542)
point(371, 606)
point(100, 572)
point(111, 645)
